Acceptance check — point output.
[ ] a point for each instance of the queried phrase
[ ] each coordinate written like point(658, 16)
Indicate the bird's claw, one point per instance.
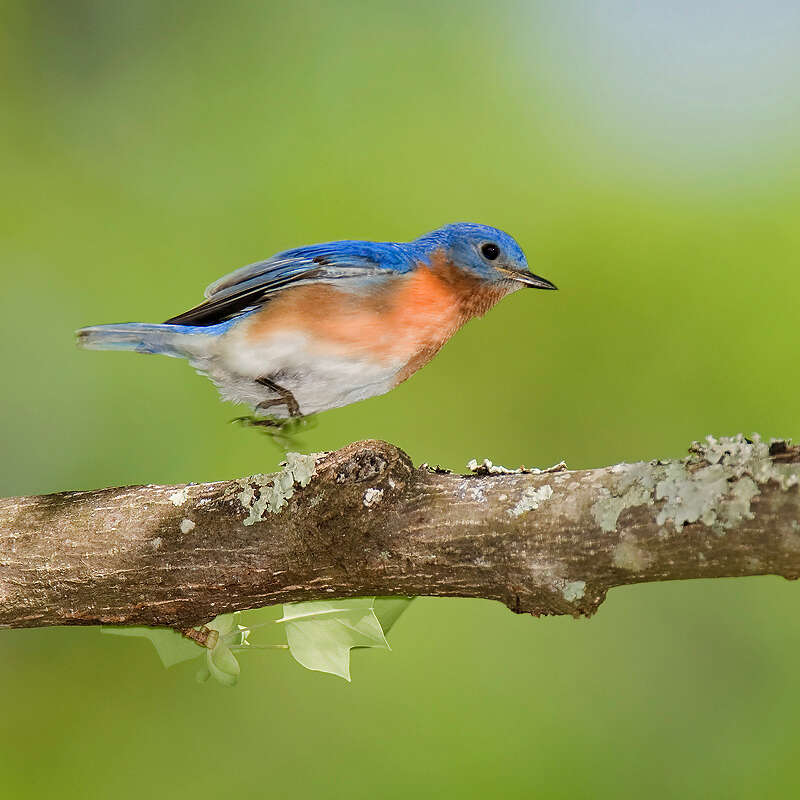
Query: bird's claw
point(282, 432)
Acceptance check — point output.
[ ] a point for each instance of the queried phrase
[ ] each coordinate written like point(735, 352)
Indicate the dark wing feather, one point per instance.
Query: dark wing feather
point(250, 287)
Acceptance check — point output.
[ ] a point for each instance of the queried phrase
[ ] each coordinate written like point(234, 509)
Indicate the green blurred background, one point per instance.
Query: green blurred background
point(644, 154)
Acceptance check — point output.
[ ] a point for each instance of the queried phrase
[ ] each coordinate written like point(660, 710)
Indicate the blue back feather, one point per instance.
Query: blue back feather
point(251, 286)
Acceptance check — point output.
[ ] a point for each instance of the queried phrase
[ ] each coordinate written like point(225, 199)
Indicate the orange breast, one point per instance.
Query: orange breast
point(406, 318)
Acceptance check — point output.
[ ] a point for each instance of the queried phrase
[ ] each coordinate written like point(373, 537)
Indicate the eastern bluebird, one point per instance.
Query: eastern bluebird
point(325, 325)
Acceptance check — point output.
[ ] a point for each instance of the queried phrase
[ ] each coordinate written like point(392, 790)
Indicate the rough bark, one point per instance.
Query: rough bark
point(364, 521)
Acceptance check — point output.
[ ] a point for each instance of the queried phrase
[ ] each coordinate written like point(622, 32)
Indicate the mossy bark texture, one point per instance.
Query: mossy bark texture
point(364, 521)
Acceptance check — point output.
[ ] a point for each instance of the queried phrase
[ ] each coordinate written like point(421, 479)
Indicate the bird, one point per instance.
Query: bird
point(325, 325)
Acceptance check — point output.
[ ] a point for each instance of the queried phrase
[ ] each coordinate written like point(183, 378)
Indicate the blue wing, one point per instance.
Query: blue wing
point(250, 287)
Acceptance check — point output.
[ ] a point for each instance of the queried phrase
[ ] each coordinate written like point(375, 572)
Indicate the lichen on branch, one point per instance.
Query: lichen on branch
point(363, 521)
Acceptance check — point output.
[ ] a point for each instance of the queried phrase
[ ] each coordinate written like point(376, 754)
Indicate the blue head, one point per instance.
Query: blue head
point(487, 252)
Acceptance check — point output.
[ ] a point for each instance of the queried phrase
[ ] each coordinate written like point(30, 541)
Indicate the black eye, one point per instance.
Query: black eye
point(490, 251)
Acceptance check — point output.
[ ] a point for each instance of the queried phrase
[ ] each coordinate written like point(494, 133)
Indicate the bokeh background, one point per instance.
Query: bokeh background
point(645, 155)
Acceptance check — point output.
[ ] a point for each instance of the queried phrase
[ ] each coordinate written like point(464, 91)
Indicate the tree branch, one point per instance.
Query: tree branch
point(363, 521)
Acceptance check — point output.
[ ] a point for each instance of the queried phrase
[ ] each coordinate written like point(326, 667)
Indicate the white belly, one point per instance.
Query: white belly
point(317, 380)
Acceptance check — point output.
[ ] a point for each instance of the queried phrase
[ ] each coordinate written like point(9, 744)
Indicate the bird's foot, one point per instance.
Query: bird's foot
point(283, 432)
point(284, 398)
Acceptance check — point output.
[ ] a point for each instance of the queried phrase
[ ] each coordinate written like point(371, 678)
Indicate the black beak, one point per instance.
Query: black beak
point(529, 279)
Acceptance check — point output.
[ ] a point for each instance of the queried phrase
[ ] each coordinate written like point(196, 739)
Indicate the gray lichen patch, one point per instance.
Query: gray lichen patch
point(301, 466)
point(372, 496)
point(549, 577)
point(486, 467)
point(476, 493)
point(737, 506)
point(179, 497)
point(691, 497)
point(716, 484)
point(531, 499)
point(743, 456)
point(573, 590)
point(470, 489)
point(262, 494)
point(634, 487)
point(628, 555)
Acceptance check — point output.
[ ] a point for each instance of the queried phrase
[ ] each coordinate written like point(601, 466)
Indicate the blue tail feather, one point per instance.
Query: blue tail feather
point(179, 341)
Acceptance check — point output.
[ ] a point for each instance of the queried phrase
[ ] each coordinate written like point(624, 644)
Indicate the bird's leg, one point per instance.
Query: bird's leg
point(281, 431)
point(286, 398)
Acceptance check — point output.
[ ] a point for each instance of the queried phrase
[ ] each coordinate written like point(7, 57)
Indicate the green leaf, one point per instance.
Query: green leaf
point(220, 660)
point(222, 664)
point(171, 646)
point(225, 625)
point(388, 609)
point(322, 633)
